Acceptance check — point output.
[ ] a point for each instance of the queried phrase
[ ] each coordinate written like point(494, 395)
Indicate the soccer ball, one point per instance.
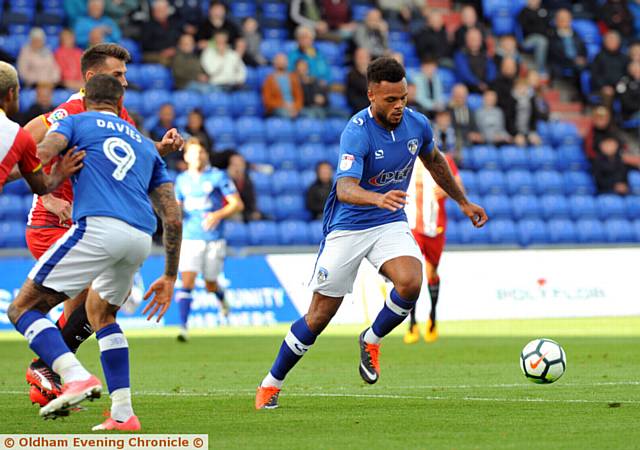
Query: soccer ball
point(543, 361)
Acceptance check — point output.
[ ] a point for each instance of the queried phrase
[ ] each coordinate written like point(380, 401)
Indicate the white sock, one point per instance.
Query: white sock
point(371, 338)
point(69, 368)
point(121, 408)
point(271, 381)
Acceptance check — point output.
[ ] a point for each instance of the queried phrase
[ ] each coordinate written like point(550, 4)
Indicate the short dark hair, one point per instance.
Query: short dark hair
point(385, 69)
point(103, 88)
point(95, 56)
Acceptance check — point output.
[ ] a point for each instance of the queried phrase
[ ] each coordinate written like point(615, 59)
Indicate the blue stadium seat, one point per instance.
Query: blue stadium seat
point(554, 206)
point(221, 128)
point(279, 130)
point(266, 204)
point(549, 182)
point(532, 231)
point(561, 231)
point(469, 180)
point(316, 232)
point(216, 104)
point(571, 157)
point(61, 96)
point(503, 22)
point(611, 206)
point(153, 99)
point(564, 133)
point(310, 155)
point(333, 129)
point(590, 231)
point(11, 207)
point(337, 100)
point(240, 10)
point(447, 78)
point(134, 76)
point(307, 178)
point(236, 233)
point(279, 34)
point(263, 73)
point(271, 47)
point(19, 28)
point(333, 53)
point(490, 182)
point(277, 12)
point(544, 130)
point(484, 157)
point(249, 129)
point(474, 101)
point(246, 103)
point(583, 207)
point(18, 187)
point(512, 158)
point(338, 74)
point(261, 182)
point(632, 206)
point(254, 153)
point(293, 232)
point(186, 101)
point(291, 207)
point(520, 182)
point(308, 130)
point(453, 232)
point(542, 157)
point(525, 206)
point(358, 12)
point(263, 233)
point(635, 225)
point(619, 230)
point(634, 180)
point(156, 76)
point(333, 153)
point(470, 235)
point(503, 231)
point(453, 211)
point(134, 49)
point(27, 98)
point(587, 30)
point(13, 44)
point(283, 155)
point(285, 182)
point(252, 79)
point(12, 234)
point(132, 101)
point(578, 182)
point(497, 206)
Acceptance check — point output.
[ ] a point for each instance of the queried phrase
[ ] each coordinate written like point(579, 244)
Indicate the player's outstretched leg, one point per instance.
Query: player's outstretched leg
point(184, 297)
point(413, 333)
point(431, 333)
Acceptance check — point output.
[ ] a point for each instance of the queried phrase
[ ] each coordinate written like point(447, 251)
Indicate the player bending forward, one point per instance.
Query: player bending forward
point(110, 239)
point(428, 221)
point(207, 196)
point(364, 218)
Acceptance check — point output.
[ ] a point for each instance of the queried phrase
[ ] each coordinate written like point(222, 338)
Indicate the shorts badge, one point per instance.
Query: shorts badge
point(323, 274)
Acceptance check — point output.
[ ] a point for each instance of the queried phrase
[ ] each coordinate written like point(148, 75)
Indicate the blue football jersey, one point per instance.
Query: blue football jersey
point(120, 169)
point(382, 160)
point(201, 194)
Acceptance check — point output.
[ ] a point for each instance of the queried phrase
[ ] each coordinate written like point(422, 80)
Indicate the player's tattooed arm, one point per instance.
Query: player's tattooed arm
point(348, 190)
point(51, 147)
point(166, 206)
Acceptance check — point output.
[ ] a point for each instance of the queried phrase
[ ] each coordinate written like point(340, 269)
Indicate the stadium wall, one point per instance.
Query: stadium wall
point(496, 284)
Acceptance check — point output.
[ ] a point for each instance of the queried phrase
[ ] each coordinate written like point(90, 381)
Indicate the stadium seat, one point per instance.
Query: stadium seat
point(619, 231)
point(587, 30)
point(279, 130)
point(503, 22)
point(520, 182)
point(13, 44)
point(261, 182)
point(544, 130)
point(285, 182)
point(220, 128)
point(266, 204)
point(583, 207)
point(246, 103)
point(271, 47)
point(578, 182)
point(262, 74)
point(453, 211)
point(468, 180)
point(490, 182)
point(310, 155)
point(153, 99)
point(611, 206)
point(503, 231)
point(291, 207)
point(263, 233)
point(542, 157)
point(333, 153)
point(134, 49)
point(564, 133)
point(571, 157)
point(279, 34)
point(254, 153)
point(307, 178)
point(632, 206)
point(278, 12)
point(447, 78)
point(240, 10)
point(453, 233)
point(61, 96)
point(333, 53)
point(283, 155)
point(590, 231)
point(484, 157)
point(132, 101)
point(359, 12)
point(293, 232)
point(549, 182)
point(27, 98)
point(526, 206)
point(156, 76)
point(514, 158)
point(308, 130)
point(470, 235)
point(236, 233)
point(532, 232)
point(635, 226)
point(554, 206)
point(333, 129)
point(11, 207)
point(216, 104)
point(315, 232)
point(338, 74)
point(12, 234)
point(338, 102)
point(249, 129)
point(634, 180)
point(18, 187)
point(497, 206)
point(474, 101)
point(561, 231)
point(185, 101)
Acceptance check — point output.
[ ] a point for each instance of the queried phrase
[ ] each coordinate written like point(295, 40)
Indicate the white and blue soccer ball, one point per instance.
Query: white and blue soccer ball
point(543, 361)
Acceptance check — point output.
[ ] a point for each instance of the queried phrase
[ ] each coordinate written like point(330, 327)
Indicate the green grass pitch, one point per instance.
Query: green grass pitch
point(466, 391)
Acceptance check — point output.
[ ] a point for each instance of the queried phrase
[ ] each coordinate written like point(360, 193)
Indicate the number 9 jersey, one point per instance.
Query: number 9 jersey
point(120, 169)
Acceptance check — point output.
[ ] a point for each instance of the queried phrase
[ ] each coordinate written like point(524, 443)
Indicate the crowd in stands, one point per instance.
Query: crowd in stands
point(480, 70)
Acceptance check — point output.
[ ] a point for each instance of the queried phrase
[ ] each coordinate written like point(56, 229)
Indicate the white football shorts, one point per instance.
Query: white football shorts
point(99, 251)
point(342, 251)
point(203, 257)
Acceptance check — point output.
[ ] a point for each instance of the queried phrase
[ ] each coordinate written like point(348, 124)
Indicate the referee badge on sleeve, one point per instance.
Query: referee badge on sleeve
point(346, 161)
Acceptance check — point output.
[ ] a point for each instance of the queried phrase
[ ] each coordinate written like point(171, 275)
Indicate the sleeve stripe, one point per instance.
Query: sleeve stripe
point(44, 119)
point(38, 167)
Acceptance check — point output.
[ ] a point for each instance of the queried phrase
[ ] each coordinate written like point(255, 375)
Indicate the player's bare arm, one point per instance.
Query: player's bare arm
point(233, 205)
point(437, 165)
point(164, 203)
point(348, 190)
point(41, 183)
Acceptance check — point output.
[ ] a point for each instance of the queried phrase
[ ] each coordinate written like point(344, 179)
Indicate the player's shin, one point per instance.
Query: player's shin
point(114, 356)
point(77, 328)
point(184, 297)
point(295, 345)
point(394, 311)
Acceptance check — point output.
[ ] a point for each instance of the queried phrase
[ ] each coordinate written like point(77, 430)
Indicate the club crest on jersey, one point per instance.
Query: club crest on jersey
point(346, 161)
point(57, 115)
point(323, 274)
point(385, 178)
point(412, 146)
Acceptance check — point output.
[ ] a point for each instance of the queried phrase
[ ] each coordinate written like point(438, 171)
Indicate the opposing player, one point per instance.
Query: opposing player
point(364, 218)
point(110, 238)
point(427, 218)
point(50, 215)
point(207, 197)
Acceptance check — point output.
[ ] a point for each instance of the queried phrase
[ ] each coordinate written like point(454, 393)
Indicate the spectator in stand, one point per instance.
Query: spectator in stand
point(318, 66)
point(525, 116)
point(400, 10)
point(603, 128)
point(67, 56)
point(429, 90)
point(160, 34)
point(120, 11)
point(307, 13)
point(507, 48)
point(373, 34)
point(186, 68)
point(432, 41)
point(469, 19)
point(412, 101)
point(608, 68)
point(616, 15)
point(634, 51)
point(36, 63)
point(238, 172)
point(96, 36)
point(195, 129)
point(315, 94)
point(609, 170)
point(503, 86)
point(42, 105)
point(318, 192)
point(190, 13)
point(463, 118)
point(567, 52)
point(534, 21)
point(490, 120)
point(445, 134)
point(628, 92)
point(337, 14)
point(251, 35)
point(538, 87)
point(216, 22)
point(96, 18)
point(222, 64)
point(166, 121)
point(474, 68)
point(282, 91)
point(357, 81)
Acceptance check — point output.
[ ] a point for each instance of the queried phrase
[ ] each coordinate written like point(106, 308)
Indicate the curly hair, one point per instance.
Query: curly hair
point(385, 69)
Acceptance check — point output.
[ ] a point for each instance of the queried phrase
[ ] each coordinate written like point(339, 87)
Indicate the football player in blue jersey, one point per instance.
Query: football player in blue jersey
point(208, 196)
point(364, 218)
point(123, 180)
